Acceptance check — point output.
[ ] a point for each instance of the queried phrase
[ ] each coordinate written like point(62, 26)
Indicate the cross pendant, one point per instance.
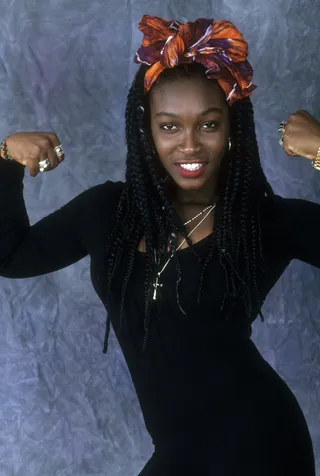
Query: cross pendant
point(156, 285)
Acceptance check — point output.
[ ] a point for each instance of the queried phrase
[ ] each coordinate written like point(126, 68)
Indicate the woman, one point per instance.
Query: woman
point(184, 252)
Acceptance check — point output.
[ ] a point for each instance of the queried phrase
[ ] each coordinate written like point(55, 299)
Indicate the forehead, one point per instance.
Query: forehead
point(182, 96)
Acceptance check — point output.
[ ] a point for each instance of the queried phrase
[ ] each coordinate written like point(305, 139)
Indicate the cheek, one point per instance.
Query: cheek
point(162, 144)
point(215, 145)
point(156, 137)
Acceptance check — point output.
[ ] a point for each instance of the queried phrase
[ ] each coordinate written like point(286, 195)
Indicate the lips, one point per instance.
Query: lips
point(193, 162)
point(191, 173)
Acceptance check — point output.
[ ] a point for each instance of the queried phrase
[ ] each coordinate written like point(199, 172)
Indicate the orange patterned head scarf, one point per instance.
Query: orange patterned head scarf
point(218, 46)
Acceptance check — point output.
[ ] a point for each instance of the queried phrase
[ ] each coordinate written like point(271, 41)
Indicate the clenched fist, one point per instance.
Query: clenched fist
point(30, 148)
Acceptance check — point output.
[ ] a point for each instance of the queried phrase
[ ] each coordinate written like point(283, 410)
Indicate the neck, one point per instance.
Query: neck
point(188, 205)
point(195, 199)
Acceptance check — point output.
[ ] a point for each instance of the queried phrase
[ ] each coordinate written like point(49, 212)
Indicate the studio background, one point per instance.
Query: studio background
point(66, 409)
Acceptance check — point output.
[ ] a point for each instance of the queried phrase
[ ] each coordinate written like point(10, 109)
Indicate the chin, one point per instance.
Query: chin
point(190, 184)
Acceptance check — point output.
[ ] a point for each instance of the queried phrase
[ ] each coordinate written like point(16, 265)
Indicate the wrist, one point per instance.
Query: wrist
point(316, 160)
point(4, 150)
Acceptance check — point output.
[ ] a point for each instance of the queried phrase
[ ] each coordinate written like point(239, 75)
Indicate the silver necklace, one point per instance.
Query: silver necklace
point(186, 223)
point(156, 284)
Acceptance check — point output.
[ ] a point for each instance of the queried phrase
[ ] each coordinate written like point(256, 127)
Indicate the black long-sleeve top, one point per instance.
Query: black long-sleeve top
point(182, 351)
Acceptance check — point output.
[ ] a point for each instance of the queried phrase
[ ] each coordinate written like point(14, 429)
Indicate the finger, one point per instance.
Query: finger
point(32, 161)
point(285, 145)
point(55, 142)
point(49, 152)
point(33, 172)
point(46, 152)
point(52, 157)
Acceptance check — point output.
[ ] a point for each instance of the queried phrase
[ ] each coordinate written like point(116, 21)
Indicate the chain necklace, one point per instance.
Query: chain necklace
point(156, 284)
point(187, 222)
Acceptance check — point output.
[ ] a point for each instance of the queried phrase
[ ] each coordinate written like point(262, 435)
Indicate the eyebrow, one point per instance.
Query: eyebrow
point(171, 114)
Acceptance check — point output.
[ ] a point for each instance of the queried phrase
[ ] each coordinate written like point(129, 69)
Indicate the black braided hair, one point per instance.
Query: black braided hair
point(146, 210)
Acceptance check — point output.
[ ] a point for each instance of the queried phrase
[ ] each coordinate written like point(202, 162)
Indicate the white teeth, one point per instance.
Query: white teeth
point(191, 166)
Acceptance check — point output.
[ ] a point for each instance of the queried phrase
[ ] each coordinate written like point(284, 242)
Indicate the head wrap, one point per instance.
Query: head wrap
point(218, 46)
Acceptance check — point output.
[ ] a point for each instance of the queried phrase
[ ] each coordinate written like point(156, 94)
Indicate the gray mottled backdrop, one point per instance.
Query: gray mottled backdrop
point(66, 409)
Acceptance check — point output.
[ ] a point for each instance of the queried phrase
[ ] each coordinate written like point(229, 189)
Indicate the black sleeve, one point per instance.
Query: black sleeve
point(301, 224)
point(53, 243)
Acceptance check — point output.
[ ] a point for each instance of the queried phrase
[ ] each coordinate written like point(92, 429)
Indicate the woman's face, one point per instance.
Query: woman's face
point(190, 123)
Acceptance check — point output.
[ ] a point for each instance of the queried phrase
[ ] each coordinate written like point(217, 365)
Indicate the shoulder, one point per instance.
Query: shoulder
point(99, 203)
point(284, 211)
point(292, 225)
point(106, 194)
point(108, 191)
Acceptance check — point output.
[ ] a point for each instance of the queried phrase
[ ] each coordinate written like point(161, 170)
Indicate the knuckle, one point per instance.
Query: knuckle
point(44, 142)
point(52, 137)
point(34, 150)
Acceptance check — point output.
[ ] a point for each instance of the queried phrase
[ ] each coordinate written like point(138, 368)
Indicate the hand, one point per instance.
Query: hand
point(29, 148)
point(302, 135)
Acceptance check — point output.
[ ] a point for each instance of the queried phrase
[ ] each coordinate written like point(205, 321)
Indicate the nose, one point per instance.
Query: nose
point(189, 144)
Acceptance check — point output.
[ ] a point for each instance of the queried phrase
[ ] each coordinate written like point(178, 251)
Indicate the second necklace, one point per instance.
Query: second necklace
point(156, 284)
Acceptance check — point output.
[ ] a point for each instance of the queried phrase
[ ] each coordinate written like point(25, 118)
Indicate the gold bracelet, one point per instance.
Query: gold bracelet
point(316, 162)
point(4, 150)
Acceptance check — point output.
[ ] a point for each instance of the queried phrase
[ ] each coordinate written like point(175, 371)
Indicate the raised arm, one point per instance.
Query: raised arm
point(55, 242)
point(301, 224)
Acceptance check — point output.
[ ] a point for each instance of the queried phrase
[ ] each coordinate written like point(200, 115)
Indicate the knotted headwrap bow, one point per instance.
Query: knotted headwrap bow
point(218, 46)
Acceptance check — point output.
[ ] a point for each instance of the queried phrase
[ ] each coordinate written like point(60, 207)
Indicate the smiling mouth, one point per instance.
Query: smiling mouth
point(191, 166)
point(193, 172)
point(189, 162)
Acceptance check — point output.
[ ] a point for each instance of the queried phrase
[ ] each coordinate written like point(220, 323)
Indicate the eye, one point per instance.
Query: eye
point(169, 127)
point(166, 125)
point(211, 122)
